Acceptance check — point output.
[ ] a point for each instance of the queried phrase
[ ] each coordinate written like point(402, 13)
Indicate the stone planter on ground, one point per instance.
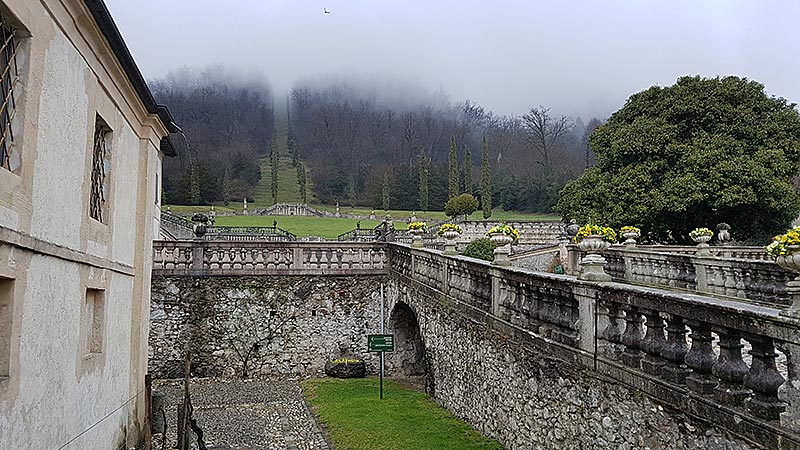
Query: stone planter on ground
point(346, 368)
point(592, 265)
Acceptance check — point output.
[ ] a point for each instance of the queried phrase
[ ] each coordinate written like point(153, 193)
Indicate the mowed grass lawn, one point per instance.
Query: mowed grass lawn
point(327, 227)
point(357, 419)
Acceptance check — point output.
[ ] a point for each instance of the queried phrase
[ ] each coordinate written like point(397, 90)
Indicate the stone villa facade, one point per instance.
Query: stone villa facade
point(81, 148)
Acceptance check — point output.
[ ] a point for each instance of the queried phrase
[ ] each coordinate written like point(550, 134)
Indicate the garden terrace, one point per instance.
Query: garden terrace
point(244, 258)
point(683, 349)
point(739, 272)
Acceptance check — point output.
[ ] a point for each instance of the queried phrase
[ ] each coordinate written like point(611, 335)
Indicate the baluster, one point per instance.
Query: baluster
point(226, 259)
point(701, 360)
point(612, 333)
point(764, 380)
point(653, 342)
point(259, 260)
point(213, 259)
point(632, 337)
point(730, 280)
point(674, 351)
point(789, 392)
point(730, 368)
point(742, 281)
point(672, 274)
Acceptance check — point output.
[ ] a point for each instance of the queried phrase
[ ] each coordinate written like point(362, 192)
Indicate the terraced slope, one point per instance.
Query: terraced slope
point(288, 187)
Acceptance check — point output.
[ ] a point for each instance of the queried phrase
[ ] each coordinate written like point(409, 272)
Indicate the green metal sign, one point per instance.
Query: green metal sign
point(380, 342)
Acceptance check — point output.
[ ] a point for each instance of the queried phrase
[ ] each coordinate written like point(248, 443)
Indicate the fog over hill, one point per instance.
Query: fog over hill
point(583, 58)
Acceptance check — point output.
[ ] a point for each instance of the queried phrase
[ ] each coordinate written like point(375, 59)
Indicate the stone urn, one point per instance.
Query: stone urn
point(630, 238)
point(346, 368)
point(200, 224)
point(791, 262)
point(503, 243)
point(417, 238)
point(450, 237)
point(592, 265)
point(702, 245)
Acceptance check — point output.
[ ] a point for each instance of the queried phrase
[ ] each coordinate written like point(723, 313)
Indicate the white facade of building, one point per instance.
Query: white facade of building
point(79, 197)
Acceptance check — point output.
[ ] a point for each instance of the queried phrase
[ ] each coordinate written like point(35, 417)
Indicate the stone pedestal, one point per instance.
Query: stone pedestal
point(503, 249)
point(592, 265)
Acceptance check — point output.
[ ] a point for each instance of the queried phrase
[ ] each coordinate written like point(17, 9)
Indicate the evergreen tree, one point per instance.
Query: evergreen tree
point(301, 180)
point(467, 171)
point(194, 184)
point(452, 184)
point(273, 162)
point(351, 191)
point(226, 185)
point(486, 181)
point(422, 167)
point(385, 191)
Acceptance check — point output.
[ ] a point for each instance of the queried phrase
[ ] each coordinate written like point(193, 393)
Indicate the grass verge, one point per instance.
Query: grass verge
point(357, 419)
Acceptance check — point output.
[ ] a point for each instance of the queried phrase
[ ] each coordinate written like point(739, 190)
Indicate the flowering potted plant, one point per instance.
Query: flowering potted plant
point(450, 232)
point(701, 236)
point(417, 229)
point(785, 249)
point(502, 235)
point(594, 240)
point(630, 234)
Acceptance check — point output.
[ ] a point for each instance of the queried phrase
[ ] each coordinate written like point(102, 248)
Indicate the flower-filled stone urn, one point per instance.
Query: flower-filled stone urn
point(594, 240)
point(630, 234)
point(502, 236)
point(450, 232)
point(702, 236)
point(785, 249)
point(417, 229)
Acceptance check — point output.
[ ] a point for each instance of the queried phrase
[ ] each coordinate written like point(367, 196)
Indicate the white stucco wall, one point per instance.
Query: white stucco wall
point(58, 199)
point(54, 394)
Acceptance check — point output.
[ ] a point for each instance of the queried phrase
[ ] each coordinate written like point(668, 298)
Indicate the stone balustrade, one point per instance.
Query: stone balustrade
point(535, 233)
point(754, 279)
point(241, 258)
point(683, 349)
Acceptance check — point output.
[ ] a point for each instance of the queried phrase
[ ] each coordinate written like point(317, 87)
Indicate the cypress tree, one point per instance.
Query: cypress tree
point(385, 191)
point(422, 167)
point(301, 180)
point(467, 171)
point(452, 184)
point(273, 162)
point(226, 185)
point(194, 184)
point(351, 191)
point(486, 181)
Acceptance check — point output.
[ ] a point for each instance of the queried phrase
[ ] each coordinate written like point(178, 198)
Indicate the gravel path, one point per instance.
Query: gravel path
point(246, 414)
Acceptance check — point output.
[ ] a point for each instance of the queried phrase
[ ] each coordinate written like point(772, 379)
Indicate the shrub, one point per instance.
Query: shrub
point(480, 248)
point(461, 205)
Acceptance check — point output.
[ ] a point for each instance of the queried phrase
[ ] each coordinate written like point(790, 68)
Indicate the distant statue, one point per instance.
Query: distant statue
point(337, 210)
point(274, 224)
point(572, 228)
point(358, 225)
point(724, 235)
point(413, 216)
point(212, 215)
point(372, 215)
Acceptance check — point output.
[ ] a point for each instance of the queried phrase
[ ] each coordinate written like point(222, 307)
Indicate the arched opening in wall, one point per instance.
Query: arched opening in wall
point(408, 358)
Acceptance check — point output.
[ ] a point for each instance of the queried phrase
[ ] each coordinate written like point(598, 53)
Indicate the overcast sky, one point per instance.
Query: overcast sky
point(579, 57)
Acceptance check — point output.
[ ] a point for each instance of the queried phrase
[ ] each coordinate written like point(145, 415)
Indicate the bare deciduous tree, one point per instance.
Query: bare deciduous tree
point(544, 131)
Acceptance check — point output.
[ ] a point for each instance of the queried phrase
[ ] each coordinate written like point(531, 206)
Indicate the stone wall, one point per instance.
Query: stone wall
point(527, 400)
point(299, 323)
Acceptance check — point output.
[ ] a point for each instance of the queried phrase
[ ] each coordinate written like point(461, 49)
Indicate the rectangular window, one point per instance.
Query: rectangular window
point(6, 313)
point(101, 151)
point(9, 77)
point(93, 320)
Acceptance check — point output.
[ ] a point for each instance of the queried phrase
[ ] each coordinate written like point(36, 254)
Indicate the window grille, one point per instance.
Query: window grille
point(100, 153)
point(8, 81)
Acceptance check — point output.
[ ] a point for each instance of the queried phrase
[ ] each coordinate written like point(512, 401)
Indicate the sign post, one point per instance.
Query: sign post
point(380, 343)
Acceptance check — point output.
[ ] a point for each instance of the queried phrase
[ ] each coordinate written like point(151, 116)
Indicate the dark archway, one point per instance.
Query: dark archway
point(408, 358)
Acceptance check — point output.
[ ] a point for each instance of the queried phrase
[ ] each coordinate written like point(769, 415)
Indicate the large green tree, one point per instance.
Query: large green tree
point(453, 184)
point(700, 152)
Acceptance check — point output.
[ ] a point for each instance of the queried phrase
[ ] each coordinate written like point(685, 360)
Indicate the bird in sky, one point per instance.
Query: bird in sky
point(325, 10)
